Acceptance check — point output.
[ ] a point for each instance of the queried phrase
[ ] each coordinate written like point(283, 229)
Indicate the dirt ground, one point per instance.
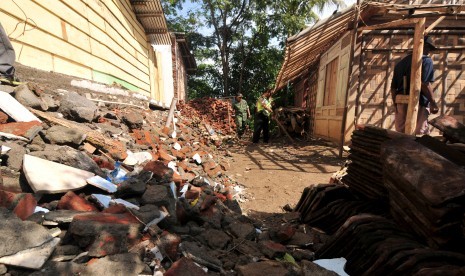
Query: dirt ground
point(275, 174)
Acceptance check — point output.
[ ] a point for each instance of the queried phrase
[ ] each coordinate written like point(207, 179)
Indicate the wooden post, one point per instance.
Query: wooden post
point(415, 77)
point(171, 112)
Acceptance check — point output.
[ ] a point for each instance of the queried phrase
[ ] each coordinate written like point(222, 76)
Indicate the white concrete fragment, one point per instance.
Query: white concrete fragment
point(197, 158)
point(157, 253)
point(137, 158)
point(5, 149)
point(32, 258)
point(50, 177)
point(15, 110)
point(102, 183)
point(40, 209)
point(336, 265)
point(176, 146)
point(103, 200)
point(125, 203)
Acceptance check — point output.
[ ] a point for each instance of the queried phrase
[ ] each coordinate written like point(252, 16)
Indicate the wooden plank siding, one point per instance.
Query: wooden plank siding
point(82, 38)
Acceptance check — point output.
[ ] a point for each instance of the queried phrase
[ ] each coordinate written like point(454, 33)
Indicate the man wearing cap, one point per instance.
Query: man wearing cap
point(427, 103)
point(242, 112)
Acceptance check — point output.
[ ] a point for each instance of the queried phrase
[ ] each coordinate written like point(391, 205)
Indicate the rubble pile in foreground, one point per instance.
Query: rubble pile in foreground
point(108, 190)
point(400, 208)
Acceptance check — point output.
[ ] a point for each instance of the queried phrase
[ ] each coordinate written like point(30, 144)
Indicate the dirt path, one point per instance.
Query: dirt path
point(275, 174)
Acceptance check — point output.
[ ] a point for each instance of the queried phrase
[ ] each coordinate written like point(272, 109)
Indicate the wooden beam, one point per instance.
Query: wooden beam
point(415, 77)
point(392, 24)
point(434, 24)
point(149, 14)
point(156, 31)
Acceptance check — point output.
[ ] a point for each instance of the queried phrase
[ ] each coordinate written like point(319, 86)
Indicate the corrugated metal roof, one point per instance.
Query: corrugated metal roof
point(303, 50)
point(150, 14)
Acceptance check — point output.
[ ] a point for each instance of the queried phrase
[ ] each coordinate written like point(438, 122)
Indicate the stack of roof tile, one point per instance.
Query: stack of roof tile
point(328, 206)
point(374, 245)
point(426, 192)
point(364, 172)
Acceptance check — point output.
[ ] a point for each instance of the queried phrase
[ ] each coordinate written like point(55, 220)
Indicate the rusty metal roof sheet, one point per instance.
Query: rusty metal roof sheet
point(150, 14)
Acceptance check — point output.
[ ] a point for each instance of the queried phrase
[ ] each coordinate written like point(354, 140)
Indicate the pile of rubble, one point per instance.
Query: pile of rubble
point(399, 209)
point(109, 190)
point(214, 115)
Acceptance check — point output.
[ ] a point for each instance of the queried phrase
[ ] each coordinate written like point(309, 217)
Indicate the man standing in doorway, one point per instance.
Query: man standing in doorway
point(242, 113)
point(401, 85)
point(262, 117)
point(7, 56)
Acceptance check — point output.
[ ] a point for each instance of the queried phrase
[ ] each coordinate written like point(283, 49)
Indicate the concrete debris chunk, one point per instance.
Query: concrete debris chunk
point(32, 258)
point(61, 135)
point(77, 108)
point(49, 177)
point(15, 110)
point(102, 183)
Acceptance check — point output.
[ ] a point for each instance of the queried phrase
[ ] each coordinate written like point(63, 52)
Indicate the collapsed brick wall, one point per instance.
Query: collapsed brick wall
point(380, 54)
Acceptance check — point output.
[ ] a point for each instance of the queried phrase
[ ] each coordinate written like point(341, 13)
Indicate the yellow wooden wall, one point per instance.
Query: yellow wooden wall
point(98, 40)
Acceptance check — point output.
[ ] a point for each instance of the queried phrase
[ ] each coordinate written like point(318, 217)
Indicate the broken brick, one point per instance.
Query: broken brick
point(22, 204)
point(161, 172)
point(272, 249)
point(184, 267)
point(71, 201)
point(25, 129)
point(3, 118)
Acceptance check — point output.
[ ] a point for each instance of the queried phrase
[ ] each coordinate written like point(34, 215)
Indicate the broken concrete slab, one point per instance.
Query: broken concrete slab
point(133, 120)
point(49, 177)
point(158, 195)
point(78, 108)
point(69, 156)
point(15, 110)
point(20, 235)
point(60, 135)
point(32, 258)
point(63, 216)
point(26, 97)
point(14, 157)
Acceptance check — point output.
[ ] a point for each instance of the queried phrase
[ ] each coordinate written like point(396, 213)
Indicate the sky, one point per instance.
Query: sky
point(327, 11)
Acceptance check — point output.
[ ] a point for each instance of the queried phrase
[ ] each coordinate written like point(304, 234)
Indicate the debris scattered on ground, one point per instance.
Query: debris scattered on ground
point(108, 189)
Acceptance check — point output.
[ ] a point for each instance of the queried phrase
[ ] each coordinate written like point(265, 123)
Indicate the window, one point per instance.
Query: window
point(331, 82)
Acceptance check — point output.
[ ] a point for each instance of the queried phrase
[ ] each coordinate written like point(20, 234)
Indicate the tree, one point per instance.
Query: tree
point(239, 44)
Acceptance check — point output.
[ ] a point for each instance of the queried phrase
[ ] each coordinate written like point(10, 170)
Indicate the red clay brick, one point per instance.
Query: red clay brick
point(71, 201)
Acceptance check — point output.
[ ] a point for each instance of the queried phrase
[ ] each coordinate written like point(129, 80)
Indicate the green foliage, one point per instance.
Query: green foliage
point(238, 44)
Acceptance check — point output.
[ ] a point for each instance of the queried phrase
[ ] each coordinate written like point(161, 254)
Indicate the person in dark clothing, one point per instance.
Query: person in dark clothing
point(401, 85)
point(7, 56)
point(262, 118)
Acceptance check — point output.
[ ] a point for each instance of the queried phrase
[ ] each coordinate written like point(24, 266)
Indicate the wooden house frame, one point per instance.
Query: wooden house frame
point(358, 48)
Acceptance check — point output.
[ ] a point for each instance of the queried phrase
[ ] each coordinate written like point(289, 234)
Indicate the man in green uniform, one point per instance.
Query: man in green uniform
point(242, 111)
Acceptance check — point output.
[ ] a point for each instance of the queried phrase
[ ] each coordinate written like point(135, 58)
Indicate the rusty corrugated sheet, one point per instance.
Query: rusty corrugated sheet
point(150, 14)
